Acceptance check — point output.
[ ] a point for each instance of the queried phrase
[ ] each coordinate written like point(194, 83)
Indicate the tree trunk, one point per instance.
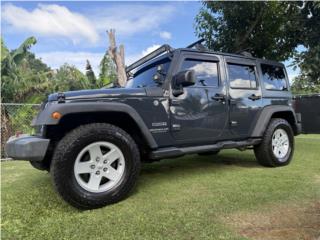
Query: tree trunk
point(118, 58)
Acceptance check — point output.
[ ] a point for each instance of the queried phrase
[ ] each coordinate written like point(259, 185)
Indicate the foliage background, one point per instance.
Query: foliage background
point(271, 30)
point(26, 79)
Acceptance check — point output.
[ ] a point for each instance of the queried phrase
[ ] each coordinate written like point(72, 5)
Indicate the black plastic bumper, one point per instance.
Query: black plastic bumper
point(26, 147)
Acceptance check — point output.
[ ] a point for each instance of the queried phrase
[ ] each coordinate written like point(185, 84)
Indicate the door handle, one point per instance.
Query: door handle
point(218, 97)
point(254, 97)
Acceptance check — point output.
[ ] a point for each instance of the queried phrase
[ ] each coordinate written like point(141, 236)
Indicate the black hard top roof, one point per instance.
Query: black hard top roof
point(232, 55)
point(214, 52)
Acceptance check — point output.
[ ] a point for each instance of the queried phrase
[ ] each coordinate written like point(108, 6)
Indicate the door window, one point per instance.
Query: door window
point(144, 77)
point(273, 77)
point(206, 72)
point(242, 76)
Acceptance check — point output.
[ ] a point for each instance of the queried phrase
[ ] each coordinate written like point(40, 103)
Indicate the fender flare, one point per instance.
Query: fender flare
point(44, 117)
point(265, 116)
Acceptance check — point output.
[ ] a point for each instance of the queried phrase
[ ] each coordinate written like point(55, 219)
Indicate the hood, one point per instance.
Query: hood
point(99, 93)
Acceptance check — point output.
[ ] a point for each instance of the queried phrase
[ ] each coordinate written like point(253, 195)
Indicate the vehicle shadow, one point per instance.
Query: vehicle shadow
point(192, 166)
point(195, 162)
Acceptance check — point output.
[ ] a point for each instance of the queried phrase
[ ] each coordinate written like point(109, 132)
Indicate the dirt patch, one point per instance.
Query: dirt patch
point(317, 179)
point(283, 222)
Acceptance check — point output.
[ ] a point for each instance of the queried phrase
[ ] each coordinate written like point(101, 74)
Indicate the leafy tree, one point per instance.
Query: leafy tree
point(258, 27)
point(302, 85)
point(107, 71)
point(24, 78)
point(268, 29)
point(4, 51)
point(91, 76)
point(35, 63)
point(19, 79)
point(309, 79)
point(309, 60)
point(69, 78)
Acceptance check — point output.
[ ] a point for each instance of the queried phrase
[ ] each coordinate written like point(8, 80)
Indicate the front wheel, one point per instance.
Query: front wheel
point(95, 165)
point(277, 146)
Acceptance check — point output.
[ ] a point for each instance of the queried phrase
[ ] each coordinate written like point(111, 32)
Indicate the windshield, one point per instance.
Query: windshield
point(144, 76)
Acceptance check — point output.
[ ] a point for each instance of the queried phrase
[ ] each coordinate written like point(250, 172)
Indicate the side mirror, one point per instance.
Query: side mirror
point(185, 78)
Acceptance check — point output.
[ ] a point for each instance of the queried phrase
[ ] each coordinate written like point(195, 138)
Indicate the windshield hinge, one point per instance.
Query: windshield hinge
point(61, 98)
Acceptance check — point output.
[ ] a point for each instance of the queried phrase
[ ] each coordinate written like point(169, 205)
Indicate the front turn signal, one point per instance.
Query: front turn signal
point(56, 115)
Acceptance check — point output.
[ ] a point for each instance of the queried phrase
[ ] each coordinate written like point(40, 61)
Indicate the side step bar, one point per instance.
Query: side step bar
point(172, 152)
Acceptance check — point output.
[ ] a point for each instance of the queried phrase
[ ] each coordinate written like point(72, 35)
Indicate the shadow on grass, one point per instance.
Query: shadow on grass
point(193, 166)
point(194, 163)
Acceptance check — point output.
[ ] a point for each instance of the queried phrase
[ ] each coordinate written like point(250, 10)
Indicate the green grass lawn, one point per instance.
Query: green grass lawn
point(191, 197)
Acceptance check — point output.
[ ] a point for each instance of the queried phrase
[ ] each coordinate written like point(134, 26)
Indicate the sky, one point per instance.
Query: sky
point(71, 32)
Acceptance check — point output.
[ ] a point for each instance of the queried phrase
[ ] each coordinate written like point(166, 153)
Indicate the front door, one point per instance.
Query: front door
point(245, 95)
point(198, 115)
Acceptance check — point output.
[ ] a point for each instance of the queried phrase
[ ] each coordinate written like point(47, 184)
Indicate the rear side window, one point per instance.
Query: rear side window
point(206, 72)
point(273, 77)
point(242, 76)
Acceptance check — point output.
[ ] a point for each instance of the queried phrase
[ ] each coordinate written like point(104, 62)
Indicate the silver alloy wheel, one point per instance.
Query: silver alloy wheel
point(99, 167)
point(280, 144)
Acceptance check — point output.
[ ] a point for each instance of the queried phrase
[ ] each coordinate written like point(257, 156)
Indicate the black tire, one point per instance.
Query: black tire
point(40, 166)
point(65, 155)
point(264, 151)
point(209, 153)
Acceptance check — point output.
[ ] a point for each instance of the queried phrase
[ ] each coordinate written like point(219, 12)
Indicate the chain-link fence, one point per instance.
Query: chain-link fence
point(16, 117)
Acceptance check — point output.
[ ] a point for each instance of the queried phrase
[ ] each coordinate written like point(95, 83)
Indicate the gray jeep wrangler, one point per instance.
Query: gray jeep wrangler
point(176, 102)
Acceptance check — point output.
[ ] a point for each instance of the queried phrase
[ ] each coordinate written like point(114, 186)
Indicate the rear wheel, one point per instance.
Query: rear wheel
point(277, 146)
point(95, 165)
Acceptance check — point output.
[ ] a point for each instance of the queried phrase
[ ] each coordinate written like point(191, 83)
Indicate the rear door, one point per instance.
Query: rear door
point(245, 97)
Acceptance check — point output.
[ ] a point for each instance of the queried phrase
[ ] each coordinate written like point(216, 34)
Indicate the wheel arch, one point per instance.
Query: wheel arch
point(269, 112)
point(289, 116)
point(76, 114)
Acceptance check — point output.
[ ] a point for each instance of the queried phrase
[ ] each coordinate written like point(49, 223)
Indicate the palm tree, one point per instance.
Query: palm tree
point(18, 79)
point(12, 81)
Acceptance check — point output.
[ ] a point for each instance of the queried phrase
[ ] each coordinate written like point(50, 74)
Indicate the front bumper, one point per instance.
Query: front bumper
point(26, 147)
